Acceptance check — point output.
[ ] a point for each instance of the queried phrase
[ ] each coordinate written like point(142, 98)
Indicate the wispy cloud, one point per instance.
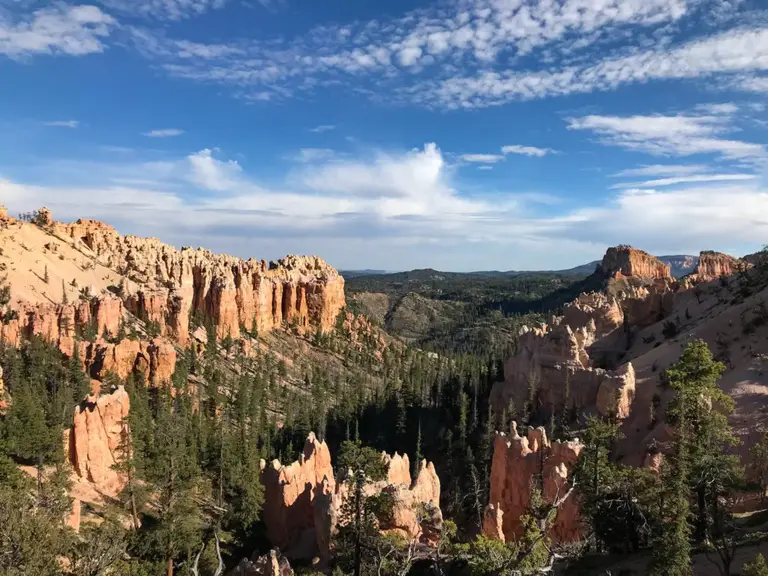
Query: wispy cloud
point(662, 182)
point(663, 170)
point(734, 51)
point(678, 135)
point(526, 150)
point(322, 128)
point(163, 9)
point(63, 123)
point(505, 151)
point(164, 133)
point(483, 158)
point(440, 40)
point(315, 154)
point(61, 29)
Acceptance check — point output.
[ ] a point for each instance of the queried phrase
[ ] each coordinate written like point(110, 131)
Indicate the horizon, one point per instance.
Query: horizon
point(457, 135)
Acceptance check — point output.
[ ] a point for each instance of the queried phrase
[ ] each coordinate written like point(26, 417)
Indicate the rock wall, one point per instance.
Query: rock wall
point(516, 463)
point(555, 361)
point(625, 261)
point(303, 501)
point(713, 265)
point(60, 323)
point(168, 285)
point(94, 440)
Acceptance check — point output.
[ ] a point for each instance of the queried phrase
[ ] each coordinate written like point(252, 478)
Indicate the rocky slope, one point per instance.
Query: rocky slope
point(608, 350)
point(71, 280)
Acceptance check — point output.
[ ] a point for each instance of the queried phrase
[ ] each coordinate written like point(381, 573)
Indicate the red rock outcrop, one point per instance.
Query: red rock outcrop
point(302, 501)
point(170, 285)
point(95, 438)
point(289, 492)
point(516, 463)
point(713, 265)
point(156, 359)
point(625, 261)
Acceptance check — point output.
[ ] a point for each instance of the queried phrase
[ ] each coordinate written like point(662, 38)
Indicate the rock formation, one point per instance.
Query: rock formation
point(625, 261)
point(168, 286)
point(713, 265)
point(554, 362)
point(302, 501)
point(516, 463)
point(95, 437)
point(289, 493)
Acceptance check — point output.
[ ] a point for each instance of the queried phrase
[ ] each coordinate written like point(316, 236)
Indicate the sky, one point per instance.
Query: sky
point(452, 134)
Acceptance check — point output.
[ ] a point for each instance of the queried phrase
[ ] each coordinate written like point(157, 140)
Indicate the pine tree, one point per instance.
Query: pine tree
point(714, 475)
point(672, 546)
point(64, 297)
point(46, 277)
point(417, 455)
point(757, 567)
point(365, 464)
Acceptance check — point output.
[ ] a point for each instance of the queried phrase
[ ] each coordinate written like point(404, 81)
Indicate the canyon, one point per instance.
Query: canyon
point(133, 308)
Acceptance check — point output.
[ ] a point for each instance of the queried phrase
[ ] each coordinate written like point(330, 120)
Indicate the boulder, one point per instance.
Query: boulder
point(272, 564)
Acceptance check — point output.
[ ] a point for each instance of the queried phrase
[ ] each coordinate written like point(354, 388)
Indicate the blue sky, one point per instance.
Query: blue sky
point(458, 134)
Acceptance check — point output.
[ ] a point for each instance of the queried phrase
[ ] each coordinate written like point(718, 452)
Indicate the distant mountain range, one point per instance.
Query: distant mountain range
point(680, 265)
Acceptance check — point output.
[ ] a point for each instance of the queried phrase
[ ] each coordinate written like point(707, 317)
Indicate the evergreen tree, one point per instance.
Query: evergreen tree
point(757, 567)
point(358, 510)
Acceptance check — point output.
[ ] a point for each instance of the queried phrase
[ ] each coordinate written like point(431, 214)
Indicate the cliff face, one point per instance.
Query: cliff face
point(625, 261)
point(713, 265)
point(516, 462)
point(303, 501)
point(170, 285)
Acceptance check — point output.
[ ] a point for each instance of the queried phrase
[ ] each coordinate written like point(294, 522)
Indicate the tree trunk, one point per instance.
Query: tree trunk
point(358, 522)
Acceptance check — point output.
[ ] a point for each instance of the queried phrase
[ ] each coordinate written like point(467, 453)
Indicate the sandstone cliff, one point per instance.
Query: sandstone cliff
point(170, 285)
point(714, 265)
point(625, 261)
point(516, 463)
point(302, 501)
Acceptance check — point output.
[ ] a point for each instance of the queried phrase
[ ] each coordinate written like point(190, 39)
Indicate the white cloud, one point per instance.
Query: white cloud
point(735, 51)
point(62, 29)
point(663, 170)
point(662, 182)
point(757, 84)
point(315, 154)
point(212, 174)
point(164, 133)
point(679, 135)
point(483, 158)
point(526, 150)
point(402, 209)
point(322, 128)
point(63, 123)
point(163, 9)
point(441, 38)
